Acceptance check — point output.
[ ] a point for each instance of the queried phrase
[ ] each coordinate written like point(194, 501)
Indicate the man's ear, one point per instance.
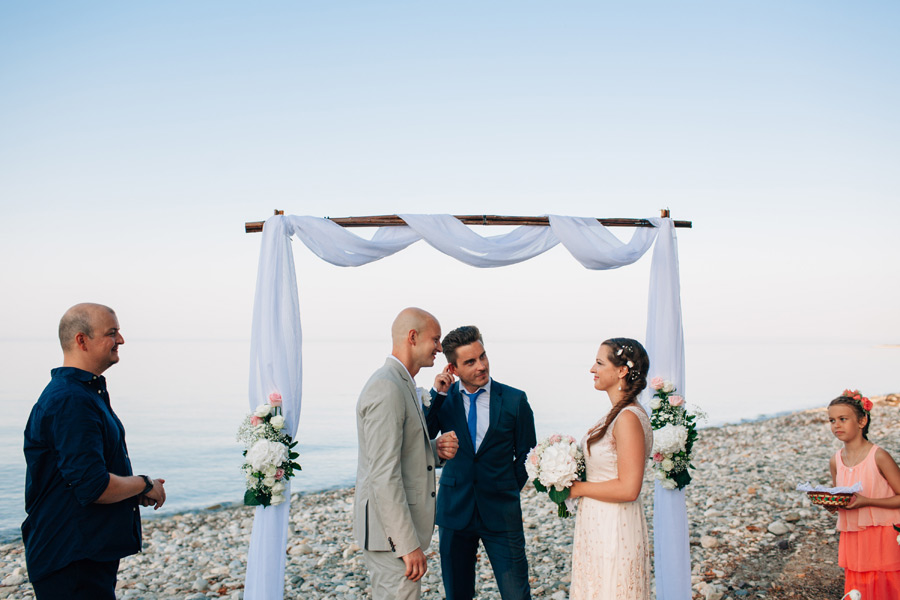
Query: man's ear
point(452, 369)
point(79, 341)
point(411, 337)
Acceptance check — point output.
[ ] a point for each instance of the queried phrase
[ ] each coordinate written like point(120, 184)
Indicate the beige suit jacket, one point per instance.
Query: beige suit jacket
point(394, 501)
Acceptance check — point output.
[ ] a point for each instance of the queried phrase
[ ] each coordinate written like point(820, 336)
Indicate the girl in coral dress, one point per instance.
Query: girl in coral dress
point(611, 554)
point(869, 551)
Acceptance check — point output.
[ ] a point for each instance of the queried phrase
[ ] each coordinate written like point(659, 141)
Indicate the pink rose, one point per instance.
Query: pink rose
point(658, 457)
point(676, 400)
point(254, 420)
point(534, 459)
point(656, 383)
point(279, 473)
point(867, 404)
point(275, 399)
point(555, 438)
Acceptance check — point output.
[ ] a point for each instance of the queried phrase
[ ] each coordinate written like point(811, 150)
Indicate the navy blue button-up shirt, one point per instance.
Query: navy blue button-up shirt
point(73, 441)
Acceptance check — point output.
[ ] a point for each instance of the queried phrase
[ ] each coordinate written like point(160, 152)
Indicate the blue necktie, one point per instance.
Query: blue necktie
point(473, 415)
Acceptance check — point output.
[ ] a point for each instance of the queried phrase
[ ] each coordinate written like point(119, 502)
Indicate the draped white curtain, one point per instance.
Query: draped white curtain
point(275, 356)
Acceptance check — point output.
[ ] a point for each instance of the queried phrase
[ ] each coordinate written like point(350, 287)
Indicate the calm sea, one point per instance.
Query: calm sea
point(181, 401)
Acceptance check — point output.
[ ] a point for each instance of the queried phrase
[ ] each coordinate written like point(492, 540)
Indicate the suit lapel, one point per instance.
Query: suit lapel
point(411, 388)
point(496, 404)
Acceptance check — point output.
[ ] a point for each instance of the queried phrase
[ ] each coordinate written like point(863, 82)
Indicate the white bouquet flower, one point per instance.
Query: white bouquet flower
point(674, 434)
point(265, 453)
point(669, 439)
point(268, 454)
point(553, 465)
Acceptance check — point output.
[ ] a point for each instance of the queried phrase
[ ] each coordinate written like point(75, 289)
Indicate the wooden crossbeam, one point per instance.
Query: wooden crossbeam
point(395, 221)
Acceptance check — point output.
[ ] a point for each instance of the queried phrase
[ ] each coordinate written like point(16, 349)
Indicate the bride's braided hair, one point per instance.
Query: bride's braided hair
point(621, 352)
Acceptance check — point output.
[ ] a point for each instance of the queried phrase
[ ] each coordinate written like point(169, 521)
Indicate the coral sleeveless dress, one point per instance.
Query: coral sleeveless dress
point(868, 550)
point(611, 552)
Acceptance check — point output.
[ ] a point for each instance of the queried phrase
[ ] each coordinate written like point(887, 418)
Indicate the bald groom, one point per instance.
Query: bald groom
point(395, 483)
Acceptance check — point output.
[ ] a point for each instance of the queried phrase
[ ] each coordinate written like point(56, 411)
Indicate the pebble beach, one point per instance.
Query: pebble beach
point(752, 534)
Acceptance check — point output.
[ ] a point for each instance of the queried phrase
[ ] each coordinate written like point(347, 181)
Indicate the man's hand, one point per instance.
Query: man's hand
point(155, 497)
point(443, 381)
point(416, 564)
point(447, 445)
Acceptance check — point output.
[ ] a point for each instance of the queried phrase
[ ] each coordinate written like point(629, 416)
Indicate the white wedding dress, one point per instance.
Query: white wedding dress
point(611, 553)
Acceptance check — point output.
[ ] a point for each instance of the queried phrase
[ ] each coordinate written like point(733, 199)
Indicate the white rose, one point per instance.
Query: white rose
point(270, 470)
point(668, 484)
point(278, 487)
point(557, 467)
point(276, 499)
point(669, 439)
point(424, 396)
point(667, 465)
point(277, 422)
point(265, 453)
point(262, 410)
point(655, 403)
point(659, 474)
point(530, 467)
point(668, 387)
point(269, 481)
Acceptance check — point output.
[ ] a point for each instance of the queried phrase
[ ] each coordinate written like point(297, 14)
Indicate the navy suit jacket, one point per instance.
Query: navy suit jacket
point(491, 478)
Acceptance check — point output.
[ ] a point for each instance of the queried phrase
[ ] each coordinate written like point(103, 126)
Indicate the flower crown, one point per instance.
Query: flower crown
point(863, 402)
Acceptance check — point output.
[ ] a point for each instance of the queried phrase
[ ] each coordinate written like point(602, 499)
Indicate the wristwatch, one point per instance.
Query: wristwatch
point(149, 483)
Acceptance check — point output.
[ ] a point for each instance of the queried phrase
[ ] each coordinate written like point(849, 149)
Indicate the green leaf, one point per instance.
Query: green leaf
point(681, 479)
point(539, 486)
point(250, 499)
point(293, 455)
point(558, 496)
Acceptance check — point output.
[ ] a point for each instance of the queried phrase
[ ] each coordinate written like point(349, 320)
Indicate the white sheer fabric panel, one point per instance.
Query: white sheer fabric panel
point(449, 235)
point(595, 246)
point(665, 345)
point(275, 365)
point(275, 359)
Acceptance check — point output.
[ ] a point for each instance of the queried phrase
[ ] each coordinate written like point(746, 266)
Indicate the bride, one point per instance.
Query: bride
point(611, 557)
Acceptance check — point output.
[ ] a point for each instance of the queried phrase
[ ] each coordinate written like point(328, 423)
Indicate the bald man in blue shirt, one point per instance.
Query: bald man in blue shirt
point(80, 494)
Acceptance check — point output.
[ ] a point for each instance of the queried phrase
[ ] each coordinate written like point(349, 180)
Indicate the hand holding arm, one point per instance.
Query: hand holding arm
point(121, 488)
point(156, 497)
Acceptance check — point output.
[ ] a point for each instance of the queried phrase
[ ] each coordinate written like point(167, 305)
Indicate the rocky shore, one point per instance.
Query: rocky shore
point(752, 535)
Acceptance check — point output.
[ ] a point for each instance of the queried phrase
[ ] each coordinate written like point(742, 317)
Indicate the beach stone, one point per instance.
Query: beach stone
point(200, 585)
point(709, 542)
point(778, 528)
point(301, 549)
point(559, 595)
point(792, 517)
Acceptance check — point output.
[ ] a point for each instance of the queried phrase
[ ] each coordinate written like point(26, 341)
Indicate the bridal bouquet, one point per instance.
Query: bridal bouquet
point(553, 465)
point(268, 454)
point(674, 434)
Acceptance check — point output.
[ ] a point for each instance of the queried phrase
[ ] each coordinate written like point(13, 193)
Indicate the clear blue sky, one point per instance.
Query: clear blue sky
point(136, 139)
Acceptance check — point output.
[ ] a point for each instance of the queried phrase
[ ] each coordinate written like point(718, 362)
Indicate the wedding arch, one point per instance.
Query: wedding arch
point(276, 339)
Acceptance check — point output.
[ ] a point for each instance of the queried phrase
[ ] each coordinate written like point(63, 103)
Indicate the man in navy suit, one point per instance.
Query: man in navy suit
point(479, 490)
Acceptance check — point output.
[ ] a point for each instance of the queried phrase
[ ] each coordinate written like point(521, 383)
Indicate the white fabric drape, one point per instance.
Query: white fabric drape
point(275, 363)
point(665, 345)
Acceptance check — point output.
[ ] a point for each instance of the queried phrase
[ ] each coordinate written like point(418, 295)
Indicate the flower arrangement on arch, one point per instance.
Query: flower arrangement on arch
point(674, 434)
point(553, 465)
point(268, 454)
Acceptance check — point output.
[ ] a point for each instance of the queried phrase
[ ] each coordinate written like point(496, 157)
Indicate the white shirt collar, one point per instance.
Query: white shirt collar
point(486, 387)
